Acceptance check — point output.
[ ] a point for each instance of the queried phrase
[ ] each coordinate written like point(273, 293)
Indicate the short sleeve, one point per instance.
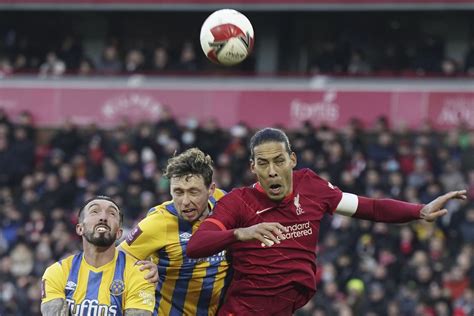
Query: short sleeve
point(53, 283)
point(140, 294)
point(147, 237)
point(324, 191)
point(227, 212)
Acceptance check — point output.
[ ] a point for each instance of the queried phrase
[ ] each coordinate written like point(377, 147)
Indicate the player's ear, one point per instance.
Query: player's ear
point(212, 188)
point(80, 229)
point(252, 166)
point(293, 159)
point(119, 234)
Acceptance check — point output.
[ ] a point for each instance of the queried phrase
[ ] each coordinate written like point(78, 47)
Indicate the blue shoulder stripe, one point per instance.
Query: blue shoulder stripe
point(170, 208)
point(118, 285)
point(73, 275)
point(181, 286)
point(206, 290)
point(163, 263)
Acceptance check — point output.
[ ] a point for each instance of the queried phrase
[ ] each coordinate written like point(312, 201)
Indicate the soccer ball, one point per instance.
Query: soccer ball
point(227, 37)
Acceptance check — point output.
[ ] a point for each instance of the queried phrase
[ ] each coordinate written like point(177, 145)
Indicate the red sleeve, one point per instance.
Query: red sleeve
point(387, 210)
point(323, 191)
point(216, 232)
point(228, 210)
point(209, 239)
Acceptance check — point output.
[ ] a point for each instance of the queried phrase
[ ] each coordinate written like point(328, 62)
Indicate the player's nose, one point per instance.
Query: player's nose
point(186, 200)
point(272, 171)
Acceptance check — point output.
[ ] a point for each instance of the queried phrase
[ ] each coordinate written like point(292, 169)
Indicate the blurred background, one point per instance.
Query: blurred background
point(376, 96)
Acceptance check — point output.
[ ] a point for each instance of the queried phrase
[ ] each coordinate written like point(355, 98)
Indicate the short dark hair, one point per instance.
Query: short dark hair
point(191, 162)
point(98, 197)
point(268, 135)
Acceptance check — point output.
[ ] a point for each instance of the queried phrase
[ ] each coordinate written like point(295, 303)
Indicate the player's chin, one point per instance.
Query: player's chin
point(191, 218)
point(276, 197)
point(103, 241)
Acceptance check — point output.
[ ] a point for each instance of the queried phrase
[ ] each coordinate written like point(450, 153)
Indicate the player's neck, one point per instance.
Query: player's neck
point(98, 256)
point(204, 214)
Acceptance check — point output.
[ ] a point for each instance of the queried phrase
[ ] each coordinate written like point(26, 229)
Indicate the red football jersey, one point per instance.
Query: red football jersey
point(268, 271)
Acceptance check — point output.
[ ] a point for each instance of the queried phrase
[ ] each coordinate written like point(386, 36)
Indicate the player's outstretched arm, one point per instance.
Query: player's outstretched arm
point(56, 307)
point(137, 312)
point(431, 211)
point(394, 211)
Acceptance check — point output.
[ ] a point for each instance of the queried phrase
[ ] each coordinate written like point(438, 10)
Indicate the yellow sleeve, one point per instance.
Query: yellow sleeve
point(53, 283)
point(147, 237)
point(140, 294)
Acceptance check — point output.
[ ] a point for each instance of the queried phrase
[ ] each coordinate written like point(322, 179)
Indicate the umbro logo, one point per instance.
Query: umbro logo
point(71, 286)
point(185, 236)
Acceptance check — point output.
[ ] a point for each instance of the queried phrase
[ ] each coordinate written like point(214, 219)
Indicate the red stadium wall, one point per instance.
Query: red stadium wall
point(108, 106)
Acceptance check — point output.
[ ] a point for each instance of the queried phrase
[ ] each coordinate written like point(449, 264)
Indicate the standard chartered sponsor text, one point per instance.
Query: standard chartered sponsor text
point(297, 230)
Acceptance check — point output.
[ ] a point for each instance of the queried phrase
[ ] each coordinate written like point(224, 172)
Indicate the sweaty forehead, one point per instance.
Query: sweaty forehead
point(269, 150)
point(187, 181)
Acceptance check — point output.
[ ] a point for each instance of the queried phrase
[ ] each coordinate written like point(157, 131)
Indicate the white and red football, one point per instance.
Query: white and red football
point(227, 37)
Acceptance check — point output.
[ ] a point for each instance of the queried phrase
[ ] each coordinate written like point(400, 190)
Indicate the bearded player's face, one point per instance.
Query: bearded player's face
point(100, 225)
point(273, 166)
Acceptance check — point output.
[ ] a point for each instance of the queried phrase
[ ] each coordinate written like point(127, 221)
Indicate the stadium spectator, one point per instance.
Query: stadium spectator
point(110, 63)
point(134, 61)
point(161, 60)
point(187, 59)
point(52, 66)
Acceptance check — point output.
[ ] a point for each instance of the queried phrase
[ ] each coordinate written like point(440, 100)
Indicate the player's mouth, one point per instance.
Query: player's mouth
point(275, 189)
point(190, 212)
point(102, 228)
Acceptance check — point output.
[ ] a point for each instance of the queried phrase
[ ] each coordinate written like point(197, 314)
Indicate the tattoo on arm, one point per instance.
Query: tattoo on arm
point(136, 312)
point(56, 307)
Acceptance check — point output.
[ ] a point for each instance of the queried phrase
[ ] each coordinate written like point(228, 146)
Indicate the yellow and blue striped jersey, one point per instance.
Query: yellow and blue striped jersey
point(186, 286)
point(106, 290)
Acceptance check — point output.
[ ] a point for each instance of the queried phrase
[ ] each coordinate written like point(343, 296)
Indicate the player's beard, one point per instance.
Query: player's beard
point(105, 239)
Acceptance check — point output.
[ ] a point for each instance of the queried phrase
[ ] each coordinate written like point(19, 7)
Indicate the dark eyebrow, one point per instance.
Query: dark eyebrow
point(112, 206)
point(94, 204)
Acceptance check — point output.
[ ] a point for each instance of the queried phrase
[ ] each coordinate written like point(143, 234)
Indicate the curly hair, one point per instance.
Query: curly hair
point(190, 163)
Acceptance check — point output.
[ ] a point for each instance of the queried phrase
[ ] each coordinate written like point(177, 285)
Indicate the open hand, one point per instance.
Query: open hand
point(435, 208)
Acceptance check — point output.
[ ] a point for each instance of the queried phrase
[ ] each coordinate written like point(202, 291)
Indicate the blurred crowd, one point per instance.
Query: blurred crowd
point(365, 268)
point(339, 45)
